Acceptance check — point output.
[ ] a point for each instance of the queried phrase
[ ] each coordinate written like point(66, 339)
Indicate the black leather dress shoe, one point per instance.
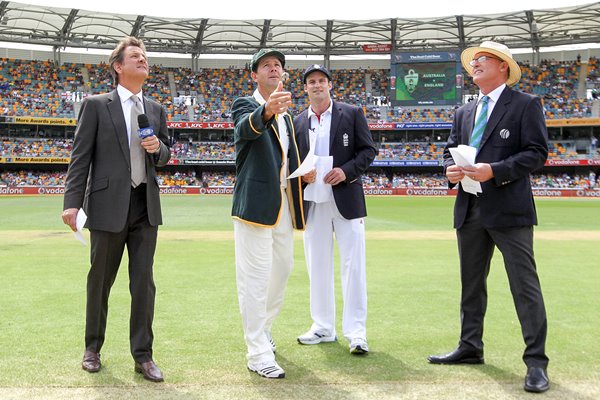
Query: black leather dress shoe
point(458, 356)
point(91, 361)
point(536, 380)
point(150, 371)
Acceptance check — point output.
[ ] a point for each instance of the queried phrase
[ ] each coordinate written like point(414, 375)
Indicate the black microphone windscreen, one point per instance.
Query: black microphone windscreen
point(143, 121)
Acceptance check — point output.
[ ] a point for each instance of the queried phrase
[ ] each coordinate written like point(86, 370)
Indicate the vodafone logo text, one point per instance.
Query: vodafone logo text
point(221, 190)
point(11, 190)
point(173, 190)
point(51, 190)
point(376, 191)
point(427, 192)
point(547, 193)
point(588, 193)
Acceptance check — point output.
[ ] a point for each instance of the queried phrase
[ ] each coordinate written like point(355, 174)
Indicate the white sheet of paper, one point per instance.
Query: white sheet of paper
point(80, 222)
point(319, 191)
point(309, 162)
point(464, 156)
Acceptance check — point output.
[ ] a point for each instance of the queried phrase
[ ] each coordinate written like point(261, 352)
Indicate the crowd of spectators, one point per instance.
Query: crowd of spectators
point(405, 181)
point(370, 180)
point(410, 151)
point(218, 179)
point(225, 151)
point(177, 179)
point(38, 88)
point(556, 82)
point(203, 150)
point(593, 75)
point(38, 147)
point(41, 89)
point(32, 178)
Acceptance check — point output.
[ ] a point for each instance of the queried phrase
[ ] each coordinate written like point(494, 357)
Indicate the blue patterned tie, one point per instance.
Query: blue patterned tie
point(479, 127)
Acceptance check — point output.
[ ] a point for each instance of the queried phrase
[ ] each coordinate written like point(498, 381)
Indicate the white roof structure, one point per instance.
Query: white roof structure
point(63, 27)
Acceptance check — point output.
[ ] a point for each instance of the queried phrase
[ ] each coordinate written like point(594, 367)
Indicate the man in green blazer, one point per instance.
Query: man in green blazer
point(266, 206)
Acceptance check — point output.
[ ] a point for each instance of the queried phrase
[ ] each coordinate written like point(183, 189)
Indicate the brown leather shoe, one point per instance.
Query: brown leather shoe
point(91, 361)
point(150, 371)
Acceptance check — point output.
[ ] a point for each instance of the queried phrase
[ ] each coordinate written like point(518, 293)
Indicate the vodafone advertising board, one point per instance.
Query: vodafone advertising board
point(197, 190)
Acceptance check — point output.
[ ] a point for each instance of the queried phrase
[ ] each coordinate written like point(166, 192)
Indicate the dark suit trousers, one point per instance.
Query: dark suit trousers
point(476, 248)
point(107, 250)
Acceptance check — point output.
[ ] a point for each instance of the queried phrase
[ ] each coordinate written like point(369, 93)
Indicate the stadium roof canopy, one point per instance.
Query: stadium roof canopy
point(63, 27)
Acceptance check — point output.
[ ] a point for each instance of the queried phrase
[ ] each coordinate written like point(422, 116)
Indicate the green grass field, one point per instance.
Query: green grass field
point(413, 310)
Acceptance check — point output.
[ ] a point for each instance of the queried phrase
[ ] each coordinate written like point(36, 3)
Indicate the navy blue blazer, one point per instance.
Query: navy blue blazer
point(353, 150)
point(514, 144)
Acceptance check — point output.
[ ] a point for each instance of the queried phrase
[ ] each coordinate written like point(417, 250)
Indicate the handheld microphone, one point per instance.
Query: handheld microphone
point(145, 130)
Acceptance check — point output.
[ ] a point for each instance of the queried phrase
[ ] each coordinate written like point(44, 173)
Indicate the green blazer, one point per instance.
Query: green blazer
point(259, 158)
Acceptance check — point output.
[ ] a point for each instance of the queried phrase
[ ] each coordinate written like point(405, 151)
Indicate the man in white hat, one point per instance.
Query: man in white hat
point(508, 130)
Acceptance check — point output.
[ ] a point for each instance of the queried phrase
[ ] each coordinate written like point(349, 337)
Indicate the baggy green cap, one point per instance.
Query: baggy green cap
point(263, 53)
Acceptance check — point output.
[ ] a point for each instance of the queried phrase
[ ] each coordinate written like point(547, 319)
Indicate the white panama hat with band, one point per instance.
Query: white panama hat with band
point(500, 51)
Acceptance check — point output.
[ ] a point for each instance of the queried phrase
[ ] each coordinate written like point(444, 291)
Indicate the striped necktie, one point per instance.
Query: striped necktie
point(136, 151)
point(480, 124)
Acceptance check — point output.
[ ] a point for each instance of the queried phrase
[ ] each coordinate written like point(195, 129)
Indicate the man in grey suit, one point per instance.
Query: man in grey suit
point(508, 130)
point(112, 177)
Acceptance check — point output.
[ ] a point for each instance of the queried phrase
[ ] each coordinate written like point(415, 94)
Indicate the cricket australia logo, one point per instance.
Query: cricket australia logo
point(411, 80)
point(504, 133)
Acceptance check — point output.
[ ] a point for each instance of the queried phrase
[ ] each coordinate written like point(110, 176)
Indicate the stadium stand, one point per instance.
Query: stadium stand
point(39, 89)
point(225, 151)
point(370, 180)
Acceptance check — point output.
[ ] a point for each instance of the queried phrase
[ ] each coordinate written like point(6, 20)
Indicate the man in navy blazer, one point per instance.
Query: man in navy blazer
point(122, 205)
point(340, 131)
point(508, 130)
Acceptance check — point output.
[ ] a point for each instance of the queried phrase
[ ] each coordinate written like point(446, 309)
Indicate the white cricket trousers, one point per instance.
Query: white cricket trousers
point(264, 258)
point(324, 220)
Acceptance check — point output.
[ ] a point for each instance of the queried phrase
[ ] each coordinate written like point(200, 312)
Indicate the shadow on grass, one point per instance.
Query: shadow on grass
point(508, 381)
point(334, 364)
point(105, 384)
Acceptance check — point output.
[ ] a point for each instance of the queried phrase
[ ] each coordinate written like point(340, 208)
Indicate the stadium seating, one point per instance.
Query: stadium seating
point(40, 89)
point(225, 151)
point(370, 180)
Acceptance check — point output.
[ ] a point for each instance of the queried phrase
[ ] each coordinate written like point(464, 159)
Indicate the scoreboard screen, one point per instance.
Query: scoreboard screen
point(420, 79)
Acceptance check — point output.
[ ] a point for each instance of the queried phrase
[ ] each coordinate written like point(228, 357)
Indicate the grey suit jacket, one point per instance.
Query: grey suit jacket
point(99, 175)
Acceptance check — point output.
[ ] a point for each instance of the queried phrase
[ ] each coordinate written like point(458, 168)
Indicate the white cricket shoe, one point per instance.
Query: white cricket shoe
point(267, 369)
point(312, 337)
point(359, 346)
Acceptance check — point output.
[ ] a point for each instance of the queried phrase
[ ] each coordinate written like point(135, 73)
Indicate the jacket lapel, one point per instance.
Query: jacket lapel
point(115, 110)
point(336, 116)
point(470, 112)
